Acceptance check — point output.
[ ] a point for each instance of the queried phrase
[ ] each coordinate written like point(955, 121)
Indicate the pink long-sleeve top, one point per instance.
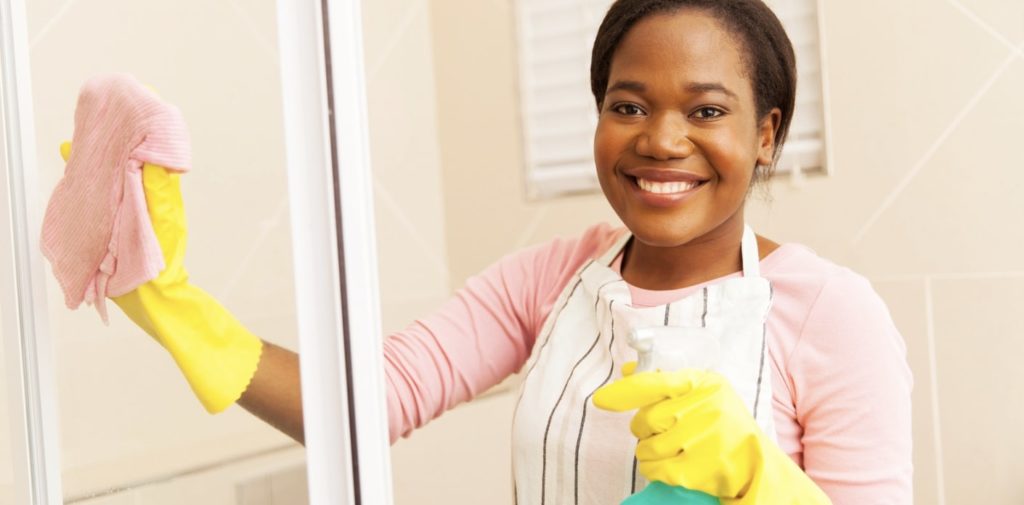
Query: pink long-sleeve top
point(840, 380)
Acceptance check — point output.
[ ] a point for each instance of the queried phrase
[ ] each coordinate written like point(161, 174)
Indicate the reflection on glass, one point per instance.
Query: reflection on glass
point(130, 427)
point(6, 468)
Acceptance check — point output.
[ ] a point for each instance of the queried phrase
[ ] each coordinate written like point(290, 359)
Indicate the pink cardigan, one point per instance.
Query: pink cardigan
point(841, 383)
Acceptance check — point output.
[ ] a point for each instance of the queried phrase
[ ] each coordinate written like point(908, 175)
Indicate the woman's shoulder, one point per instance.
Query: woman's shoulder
point(807, 285)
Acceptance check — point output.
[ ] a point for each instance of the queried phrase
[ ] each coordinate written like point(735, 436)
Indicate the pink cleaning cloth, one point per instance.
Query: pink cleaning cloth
point(96, 232)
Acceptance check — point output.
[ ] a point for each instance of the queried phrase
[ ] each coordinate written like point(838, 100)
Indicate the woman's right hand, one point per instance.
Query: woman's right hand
point(217, 355)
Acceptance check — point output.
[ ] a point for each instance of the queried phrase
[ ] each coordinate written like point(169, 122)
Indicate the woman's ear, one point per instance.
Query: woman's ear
point(766, 136)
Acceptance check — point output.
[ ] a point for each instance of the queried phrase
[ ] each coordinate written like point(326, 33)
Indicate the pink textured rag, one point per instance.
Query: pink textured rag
point(96, 232)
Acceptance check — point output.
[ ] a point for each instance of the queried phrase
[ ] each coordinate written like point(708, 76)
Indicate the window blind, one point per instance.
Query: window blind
point(557, 113)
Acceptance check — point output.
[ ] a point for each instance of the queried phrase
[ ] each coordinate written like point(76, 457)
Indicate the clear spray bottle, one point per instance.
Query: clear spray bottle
point(670, 348)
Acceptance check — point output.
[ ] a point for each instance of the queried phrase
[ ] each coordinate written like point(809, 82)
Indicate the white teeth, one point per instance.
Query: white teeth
point(665, 187)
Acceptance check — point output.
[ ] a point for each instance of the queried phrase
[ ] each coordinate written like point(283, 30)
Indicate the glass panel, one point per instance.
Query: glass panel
point(7, 491)
point(131, 430)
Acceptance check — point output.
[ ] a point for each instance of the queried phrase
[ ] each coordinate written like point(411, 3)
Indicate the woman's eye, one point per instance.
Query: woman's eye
point(628, 109)
point(708, 113)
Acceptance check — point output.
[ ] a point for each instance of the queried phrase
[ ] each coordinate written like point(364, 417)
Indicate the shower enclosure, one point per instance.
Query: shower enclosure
point(332, 272)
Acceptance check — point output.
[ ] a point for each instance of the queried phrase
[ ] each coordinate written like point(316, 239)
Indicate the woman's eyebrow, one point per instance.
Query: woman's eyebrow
point(709, 87)
point(692, 87)
point(634, 86)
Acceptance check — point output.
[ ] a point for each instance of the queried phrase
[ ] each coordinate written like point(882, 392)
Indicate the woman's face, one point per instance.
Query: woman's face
point(678, 136)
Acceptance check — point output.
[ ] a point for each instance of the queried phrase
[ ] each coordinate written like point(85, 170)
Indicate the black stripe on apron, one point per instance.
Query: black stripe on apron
point(579, 280)
point(764, 342)
point(586, 403)
point(551, 416)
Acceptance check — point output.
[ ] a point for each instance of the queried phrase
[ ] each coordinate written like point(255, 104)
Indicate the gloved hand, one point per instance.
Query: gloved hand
point(217, 355)
point(694, 431)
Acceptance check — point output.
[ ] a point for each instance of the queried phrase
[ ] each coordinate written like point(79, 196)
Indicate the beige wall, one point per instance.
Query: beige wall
point(926, 114)
point(923, 201)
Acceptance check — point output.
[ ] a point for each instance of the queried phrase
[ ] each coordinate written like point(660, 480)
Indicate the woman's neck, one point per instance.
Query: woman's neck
point(713, 255)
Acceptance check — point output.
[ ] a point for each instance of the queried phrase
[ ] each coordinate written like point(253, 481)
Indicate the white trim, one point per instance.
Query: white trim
point(828, 151)
point(30, 372)
point(314, 251)
point(362, 301)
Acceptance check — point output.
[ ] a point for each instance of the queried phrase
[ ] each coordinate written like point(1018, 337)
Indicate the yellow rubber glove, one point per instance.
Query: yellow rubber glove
point(217, 355)
point(694, 431)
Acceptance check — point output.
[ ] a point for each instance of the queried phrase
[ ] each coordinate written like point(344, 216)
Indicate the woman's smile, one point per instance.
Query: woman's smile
point(659, 187)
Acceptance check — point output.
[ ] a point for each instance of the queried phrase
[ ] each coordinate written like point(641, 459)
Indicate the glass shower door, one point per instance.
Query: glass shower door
point(268, 237)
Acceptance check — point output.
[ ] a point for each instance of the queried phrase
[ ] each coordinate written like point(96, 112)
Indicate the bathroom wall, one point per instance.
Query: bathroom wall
point(926, 113)
point(923, 201)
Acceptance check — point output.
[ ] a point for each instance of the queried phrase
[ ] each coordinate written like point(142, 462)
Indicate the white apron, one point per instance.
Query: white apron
point(565, 451)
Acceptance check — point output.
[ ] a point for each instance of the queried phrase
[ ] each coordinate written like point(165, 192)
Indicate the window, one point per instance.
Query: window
point(557, 110)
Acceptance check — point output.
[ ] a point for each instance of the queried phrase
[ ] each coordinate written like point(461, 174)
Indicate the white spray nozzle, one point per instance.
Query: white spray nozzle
point(669, 348)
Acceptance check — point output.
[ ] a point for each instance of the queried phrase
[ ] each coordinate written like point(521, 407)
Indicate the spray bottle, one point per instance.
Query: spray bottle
point(671, 348)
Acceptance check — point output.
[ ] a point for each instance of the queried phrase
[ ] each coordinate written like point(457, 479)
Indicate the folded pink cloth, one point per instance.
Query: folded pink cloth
point(96, 232)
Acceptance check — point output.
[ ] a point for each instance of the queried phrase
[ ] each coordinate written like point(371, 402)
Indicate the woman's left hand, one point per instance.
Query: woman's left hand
point(694, 431)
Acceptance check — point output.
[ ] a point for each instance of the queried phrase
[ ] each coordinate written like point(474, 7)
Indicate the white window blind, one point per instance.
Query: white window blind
point(558, 115)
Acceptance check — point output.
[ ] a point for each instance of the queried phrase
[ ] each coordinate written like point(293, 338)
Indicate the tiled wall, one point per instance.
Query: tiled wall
point(924, 201)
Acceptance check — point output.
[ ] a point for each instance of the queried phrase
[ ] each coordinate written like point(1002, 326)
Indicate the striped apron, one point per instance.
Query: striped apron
point(566, 451)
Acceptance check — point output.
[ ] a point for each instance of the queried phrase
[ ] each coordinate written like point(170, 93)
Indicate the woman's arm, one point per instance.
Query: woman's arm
point(852, 389)
point(274, 394)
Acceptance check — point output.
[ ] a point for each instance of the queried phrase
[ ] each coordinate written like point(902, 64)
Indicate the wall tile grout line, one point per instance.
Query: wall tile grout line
point(384, 197)
point(51, 23)
point(399, 32)
point(950, 276)
point(996, 34)
point(268, 46)
point(266, 228)
point(539, 215)
point(134, 487)
point(933, 378)
point(934, 148)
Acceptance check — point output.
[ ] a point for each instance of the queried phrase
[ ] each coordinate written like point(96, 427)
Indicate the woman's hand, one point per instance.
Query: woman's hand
point(217, 355)
point(694, 431)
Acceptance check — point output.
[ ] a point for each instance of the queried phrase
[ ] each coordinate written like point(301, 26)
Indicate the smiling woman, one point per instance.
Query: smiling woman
point(686, 126)
point(690, 109)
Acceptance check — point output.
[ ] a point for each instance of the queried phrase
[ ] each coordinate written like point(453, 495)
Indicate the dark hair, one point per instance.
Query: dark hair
point(769, 54)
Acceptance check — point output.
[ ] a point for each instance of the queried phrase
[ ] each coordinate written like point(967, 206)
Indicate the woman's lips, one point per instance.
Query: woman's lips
point(663, 193)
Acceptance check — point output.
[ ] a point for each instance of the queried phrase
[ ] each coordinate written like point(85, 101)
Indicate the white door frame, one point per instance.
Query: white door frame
point(334, 250)
point(30, 375)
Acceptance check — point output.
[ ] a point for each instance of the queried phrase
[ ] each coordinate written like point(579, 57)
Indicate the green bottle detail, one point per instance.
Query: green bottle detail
point(658, 493)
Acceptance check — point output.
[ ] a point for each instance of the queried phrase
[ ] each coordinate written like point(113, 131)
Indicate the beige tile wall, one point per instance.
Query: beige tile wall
point(927, 111)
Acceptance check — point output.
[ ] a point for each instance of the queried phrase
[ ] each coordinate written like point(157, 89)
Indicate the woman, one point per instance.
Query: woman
point(694, 101)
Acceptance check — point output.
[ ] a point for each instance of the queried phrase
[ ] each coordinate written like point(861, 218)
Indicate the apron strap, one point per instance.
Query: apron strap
point(609, 255)
point(751, 257)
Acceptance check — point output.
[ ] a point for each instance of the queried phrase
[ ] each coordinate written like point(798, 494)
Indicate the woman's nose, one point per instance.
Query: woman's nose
point(665, 137)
